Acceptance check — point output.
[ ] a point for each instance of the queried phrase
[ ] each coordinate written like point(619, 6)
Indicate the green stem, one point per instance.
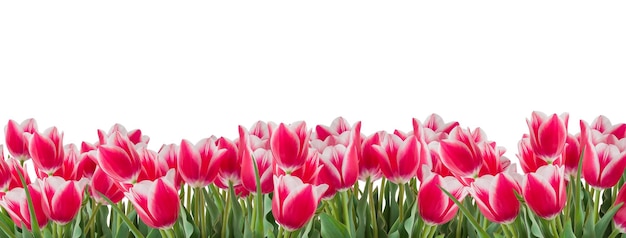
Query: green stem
point(287, 234)
point(8, 231)
point(259, 206)
point(188, 198)
point(92, 218)
point(596, 202)
point(401, 202)
point(346, 213)
point(163, 233)
point(373, 210)
point(559, 224)
point(226, 211)
point(512, 230)
point(459, 225)
point(120, 214)
point(381, 193)
point(614, 233)
point(281, 230)
point(553, 227)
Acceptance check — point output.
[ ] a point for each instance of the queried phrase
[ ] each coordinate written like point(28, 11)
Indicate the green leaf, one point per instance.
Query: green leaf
point(120, 213)
point(331, 227)
point(567, 230)
point(479, 229)
point(604, 222)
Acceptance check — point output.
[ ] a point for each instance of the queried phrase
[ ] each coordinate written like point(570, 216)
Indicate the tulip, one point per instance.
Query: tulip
point(493, 160)
point(230, 169)
point(368, 164)
point(340, 169)
point(156, 202)
point(603, 125)
point(16, 137)
point(529, 161)
point(309, 171)
point(263, 159)
point(199, 165)
point(547, 135)
point(336, 128)
point(119, 159)
point(434, 205)
point(68, 167)
point(603, 164)
point(5, 173)
point(61, 199)
point(14, 167)
point(571, 155)
point(294, 203)
point(461, 152)
point(151, 167)
point(101, 183)
point(169, 155)
point(399, 158)
point(134, 136)
point(544, 191)
point(495, 197)
point(47, 150)
point(16, 204)
point(290, 145)
point(620, 217)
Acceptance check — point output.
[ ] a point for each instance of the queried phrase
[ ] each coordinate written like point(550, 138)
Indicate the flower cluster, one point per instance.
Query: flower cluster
point(288, 179)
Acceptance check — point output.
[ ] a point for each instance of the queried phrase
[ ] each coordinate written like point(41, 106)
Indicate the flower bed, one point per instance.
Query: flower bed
point(288, 180)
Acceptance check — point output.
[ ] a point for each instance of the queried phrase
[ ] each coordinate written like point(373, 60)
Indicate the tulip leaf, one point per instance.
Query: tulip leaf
point(470, 217)
point(332, 228)
point(77, 231)
point(606, 220)
point(154, 233)
point(362, 216)
point(120, 213)
point(567, 230)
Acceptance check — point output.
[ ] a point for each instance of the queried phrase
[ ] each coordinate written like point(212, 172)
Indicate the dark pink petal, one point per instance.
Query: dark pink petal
point(44, 153)
point(116, 163)
point(164, 193)
point(540, 196)
point(285, 145)
point(458, 158)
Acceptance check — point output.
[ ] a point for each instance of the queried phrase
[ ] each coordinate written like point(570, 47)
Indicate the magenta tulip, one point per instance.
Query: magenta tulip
point(263, 159)
point(544, 191)
point(368, 165)
point(603, 164)
point(47, 150)
point(15, 203)
point(290, 145)
point(434, 205)
point(495, 197)
point(547, 135)
point(461, 152)
point(620, 217)
point(156, 202)
point(294, 203)
point(5, 173)
point(61, 199)
point(399, 158)
point(199, 165)
point(151, 166)
point(101, 183)
point(119, 159)
point(16, 137)
point(230, 169)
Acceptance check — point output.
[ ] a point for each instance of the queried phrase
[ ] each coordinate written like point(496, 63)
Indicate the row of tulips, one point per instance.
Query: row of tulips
point(286, 180)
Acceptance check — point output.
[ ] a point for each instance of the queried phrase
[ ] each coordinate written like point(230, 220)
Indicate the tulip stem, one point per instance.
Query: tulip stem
point(614, 233)
point(596, 202)
point(31, 208)
point(227, 211)
point(92, 218)
point(373, 211)
point(281, 230)
point(381, 194)
point(459, 225)
point(200, 206)
point(401, 202)
point(346, 213)
point(512, 230)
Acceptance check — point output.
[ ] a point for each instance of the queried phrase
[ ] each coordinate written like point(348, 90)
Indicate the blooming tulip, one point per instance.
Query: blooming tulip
point(47, 150)
point(399, 158)
point(199, 165)
point(544, 191)
point(61, 199)
point(263, 159)
point(151, 167)
point(620, 217)
point(101, 183)
point(461, 152)
point(547, 135)
point(119, 159)
point(16, 137)
point(294, 203)
point(289, 145)
point(495, 197)
point(603, 164)
point(434, 205)
point(230, 169)
point(5, 173)
point(368, 164)
point(16, 204)
point(156, 202)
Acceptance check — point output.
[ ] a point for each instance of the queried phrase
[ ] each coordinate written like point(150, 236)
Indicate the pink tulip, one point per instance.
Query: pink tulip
point(620, 217)
point(571, 155)
point(603, 164)
point(151, 167)
point(101, 183)
point(461, 152)
point(399, 158)
point(230, 169)
point(5, 173)
point(495, 197)
point(336, 128)
point(529, 161)
point(547, 135)
point(544, 191)
point(87, 163)
point(14, 167)
point(119, 158)
point(16, 204)
point(47, 150)
point(62, 199)
point(340, 169)
point(290, 145)
point(368, 165)
point(294, 203)
point(68, 168)
point(156, 202)
point(134, 136)
point(16, 137)
point(434, 205)
point(199, 165)
point(309, 171)
point(494, 161)
point(262, 157)
point(603, 125)
point(169, 154)
point(435, 123)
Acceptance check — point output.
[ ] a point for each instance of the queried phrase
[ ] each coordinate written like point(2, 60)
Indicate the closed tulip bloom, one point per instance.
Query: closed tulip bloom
point(264, 162)
point(5, 173)
point(434, 205)
point(294, 203)
point(494, 161)
point(495, 197)
point(571, 155)
point(368, 164)
point(16, 204)
point(399, 158)
point(156, 202)
point(68, 168)
point(461, 152)
point(61, 199)
point(620, 217)
point(199, 165)
point(340, 169)
point(309, 171)
point(603, 164)
point(547, 135)
point(101, 183)
point(14, 167)
point(119, 159)
point(47, 150)
point(544, 191)
point(336, 128)
point(290, 145)
point(16, 137)
point(230, 169)
point(169, 154)
point(529, 161)
point(151, 166)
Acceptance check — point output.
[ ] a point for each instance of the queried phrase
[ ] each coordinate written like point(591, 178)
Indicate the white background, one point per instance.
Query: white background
point(192, 69)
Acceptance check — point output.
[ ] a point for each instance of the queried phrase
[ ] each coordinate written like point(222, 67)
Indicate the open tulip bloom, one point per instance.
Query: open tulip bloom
point(282, 180)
